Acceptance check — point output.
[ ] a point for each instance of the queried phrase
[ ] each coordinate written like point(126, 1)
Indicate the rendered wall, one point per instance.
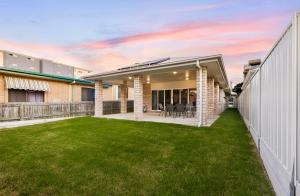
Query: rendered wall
point(50, 67)
point(17, 61)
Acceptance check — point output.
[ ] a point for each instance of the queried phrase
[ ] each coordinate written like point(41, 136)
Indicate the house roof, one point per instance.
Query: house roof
point(164, 63)
point(47, 76)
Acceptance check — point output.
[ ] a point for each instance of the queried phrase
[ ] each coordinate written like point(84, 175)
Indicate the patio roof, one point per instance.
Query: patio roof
point(214, 64)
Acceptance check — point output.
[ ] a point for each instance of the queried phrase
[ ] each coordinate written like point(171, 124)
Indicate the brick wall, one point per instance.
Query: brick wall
point(201, 86)
point(138, 97)
point(123, 98)
point(216, 99)
point(210, 98)
point(147, 96)
point(98, 98)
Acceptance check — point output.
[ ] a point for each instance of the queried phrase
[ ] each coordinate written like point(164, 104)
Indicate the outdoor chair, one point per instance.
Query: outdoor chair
point(169, 110)
point(162, 109)
point(190, 110)
point(180, 110)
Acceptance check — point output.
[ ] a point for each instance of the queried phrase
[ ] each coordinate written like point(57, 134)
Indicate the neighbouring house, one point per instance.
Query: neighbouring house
point(24, 62)
point(249, 71)
point(63, 80)
point(252, 65)
point(29, 79)
point(199, 81)
point(27, 86)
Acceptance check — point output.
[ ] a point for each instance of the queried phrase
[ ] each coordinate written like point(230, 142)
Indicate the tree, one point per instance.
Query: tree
point(238, 88)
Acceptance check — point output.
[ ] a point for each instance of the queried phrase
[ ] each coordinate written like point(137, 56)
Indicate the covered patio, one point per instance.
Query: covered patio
point(172, 85)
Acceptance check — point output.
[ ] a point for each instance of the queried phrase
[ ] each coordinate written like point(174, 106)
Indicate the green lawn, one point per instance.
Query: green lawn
point(89, 156)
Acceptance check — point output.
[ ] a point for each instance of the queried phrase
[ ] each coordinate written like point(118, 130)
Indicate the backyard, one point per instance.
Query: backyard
point(89, 156)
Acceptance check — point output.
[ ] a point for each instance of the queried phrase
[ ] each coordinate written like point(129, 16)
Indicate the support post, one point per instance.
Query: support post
point(201, 103)
point(98, 98)
point(124, 97)
point(138, 97)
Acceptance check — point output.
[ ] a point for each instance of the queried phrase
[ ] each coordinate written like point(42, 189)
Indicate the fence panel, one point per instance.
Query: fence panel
point(268, 106)
point(254, 108)
point(23, 111)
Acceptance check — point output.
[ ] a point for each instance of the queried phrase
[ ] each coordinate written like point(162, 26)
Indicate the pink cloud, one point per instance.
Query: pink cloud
point(187, 31)
point(241, 39)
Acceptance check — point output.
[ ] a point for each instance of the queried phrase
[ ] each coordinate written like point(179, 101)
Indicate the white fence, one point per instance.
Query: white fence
point(269, 104)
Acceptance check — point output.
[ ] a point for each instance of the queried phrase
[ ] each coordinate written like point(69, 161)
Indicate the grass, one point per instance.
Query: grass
point(89, 156)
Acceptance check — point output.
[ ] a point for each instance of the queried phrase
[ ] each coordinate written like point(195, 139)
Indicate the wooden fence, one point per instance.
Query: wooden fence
point(24, 111)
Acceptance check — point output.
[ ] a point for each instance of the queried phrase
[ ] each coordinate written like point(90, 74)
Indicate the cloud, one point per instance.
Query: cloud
point(237, 39)
point(199, 7)
point(187, 31)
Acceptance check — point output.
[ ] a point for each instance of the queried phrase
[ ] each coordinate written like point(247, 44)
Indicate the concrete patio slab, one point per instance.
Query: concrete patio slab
point(155, 117)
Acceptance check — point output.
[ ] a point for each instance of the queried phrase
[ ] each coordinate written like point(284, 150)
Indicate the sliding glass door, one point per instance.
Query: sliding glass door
point(168, 97)
point(173, 96)
point(154, 100)
point(184, 96)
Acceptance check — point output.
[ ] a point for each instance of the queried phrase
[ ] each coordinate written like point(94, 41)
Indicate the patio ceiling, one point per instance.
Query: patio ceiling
point(166, 72)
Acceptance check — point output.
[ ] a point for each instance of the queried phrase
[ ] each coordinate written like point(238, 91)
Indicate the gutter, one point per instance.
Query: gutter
point(44, 76)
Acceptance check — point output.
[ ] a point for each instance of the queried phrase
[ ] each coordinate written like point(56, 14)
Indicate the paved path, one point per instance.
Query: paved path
point(12, 124)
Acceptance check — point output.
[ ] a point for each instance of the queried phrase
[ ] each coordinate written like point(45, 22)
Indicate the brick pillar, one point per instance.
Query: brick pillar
point(147, 96)
point(201, 103)
point(98, 99)
point(210, 98)
point(216, 99)
point(222, 100)
point(138, 97)
point(124, 97)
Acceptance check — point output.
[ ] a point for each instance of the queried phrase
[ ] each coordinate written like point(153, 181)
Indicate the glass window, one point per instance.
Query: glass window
point(15, 95)
point(193, 96)
point(154, 100)
point(175, 97)
point(87, 94)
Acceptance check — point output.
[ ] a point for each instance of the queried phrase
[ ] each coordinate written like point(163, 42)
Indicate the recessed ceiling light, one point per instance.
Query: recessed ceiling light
point(174, 72)
point(130, 77)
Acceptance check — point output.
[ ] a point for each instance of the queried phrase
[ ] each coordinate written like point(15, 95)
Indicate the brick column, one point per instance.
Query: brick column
point(98, 99)
point(201, 103)
point(222, 101)
point(138, 97)
point(147, 96)
point(216, 99)
point(124, 97)
point(210, 98)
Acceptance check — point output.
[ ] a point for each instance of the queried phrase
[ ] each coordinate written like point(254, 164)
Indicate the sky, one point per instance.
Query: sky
point(105, 35)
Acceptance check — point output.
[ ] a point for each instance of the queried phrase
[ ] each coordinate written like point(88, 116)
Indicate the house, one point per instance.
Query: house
point(197, 81)
point(28, 79)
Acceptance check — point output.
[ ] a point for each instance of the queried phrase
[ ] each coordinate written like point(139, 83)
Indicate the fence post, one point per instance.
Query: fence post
point(21, 111)
point(69, 109)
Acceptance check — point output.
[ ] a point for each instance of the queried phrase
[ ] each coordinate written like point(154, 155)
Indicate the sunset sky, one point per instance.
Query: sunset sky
point(105, 35)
